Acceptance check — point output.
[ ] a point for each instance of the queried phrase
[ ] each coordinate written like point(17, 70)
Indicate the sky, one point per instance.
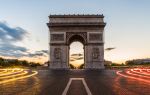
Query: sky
point(24, 34)
point(76, 54)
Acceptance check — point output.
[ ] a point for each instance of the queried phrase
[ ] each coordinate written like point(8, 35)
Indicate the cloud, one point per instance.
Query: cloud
point(72, 60)
point(110, 48)
point(11, 34)
point(12, 50)
point(80, 58)
point(45, 51)
point(75, 57)
point(8, 38)
point(79, 54)
point(38, 53)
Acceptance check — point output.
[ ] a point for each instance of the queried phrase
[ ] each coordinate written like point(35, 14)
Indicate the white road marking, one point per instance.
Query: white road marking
point(69, 83)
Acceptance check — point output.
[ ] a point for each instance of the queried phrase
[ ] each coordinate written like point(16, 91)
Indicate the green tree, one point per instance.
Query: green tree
point(72, 67)
point(81, 66)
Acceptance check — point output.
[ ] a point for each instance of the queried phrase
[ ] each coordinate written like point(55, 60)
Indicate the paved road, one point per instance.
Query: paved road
point(48, 82)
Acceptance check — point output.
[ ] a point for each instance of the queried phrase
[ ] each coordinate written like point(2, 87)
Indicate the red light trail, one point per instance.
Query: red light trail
point(141, 71)
point(139, 74)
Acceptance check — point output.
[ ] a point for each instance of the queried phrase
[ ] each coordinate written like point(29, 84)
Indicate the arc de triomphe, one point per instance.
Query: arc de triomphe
point(87, 29)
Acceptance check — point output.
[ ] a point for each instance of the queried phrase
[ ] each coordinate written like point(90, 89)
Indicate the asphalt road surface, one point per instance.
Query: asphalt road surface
point(84, 82)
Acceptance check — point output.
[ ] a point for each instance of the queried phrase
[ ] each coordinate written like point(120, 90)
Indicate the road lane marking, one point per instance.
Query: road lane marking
point(69, 83)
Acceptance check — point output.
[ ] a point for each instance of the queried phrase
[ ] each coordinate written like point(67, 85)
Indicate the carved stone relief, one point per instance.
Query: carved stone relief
point(95, 53)
point(57, 53)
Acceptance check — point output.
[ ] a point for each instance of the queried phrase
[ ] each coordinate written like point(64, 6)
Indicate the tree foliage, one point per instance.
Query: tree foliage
point(81, 66)
point(16, 62)
point(72, 67)
point(132, 62)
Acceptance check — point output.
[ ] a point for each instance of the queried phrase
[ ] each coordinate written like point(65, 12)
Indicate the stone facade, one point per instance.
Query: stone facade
point(65, 29)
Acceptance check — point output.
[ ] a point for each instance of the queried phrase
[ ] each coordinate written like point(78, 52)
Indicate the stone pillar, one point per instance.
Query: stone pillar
point(94, 57)
point(59, 57)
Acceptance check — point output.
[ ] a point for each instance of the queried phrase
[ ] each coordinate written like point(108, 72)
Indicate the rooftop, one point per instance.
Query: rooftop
point(76, 15)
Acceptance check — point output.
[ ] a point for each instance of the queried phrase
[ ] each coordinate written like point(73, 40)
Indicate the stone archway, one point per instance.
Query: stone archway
point(88, 29)
point(73, 37)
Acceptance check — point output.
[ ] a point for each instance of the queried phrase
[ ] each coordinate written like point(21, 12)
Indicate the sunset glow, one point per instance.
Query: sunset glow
point(75, 47)
point(76, 54)
point(30, 33)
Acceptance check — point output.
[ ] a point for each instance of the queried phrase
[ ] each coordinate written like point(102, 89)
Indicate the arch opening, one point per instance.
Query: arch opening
point(76, 52)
